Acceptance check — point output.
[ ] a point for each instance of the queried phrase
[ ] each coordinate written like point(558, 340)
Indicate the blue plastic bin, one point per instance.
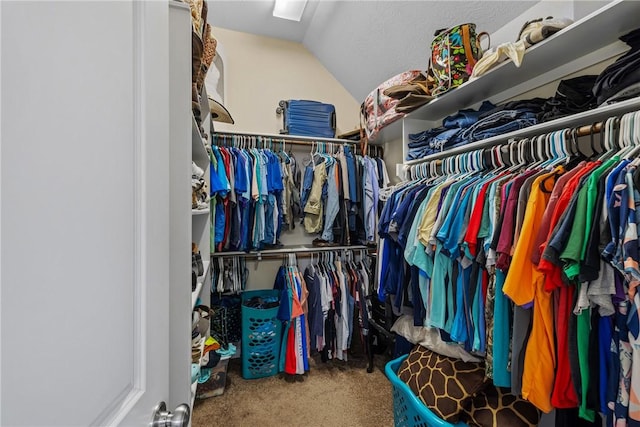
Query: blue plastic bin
point(261, 337)
point(409, 410)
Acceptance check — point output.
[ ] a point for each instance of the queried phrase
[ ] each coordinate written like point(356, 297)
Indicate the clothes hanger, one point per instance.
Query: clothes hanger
point(613, 139)
point(632, 138)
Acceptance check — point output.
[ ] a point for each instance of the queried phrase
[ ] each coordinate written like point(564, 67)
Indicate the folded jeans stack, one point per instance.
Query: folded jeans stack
point(469, 125)
point(435, 140)
point(499, 123)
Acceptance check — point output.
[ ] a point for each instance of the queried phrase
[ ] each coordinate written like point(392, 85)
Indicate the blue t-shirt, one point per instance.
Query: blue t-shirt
point(219, 180)
point(241, 184)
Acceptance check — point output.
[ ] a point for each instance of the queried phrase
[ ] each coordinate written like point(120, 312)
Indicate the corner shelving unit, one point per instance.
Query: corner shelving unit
point(201, 218)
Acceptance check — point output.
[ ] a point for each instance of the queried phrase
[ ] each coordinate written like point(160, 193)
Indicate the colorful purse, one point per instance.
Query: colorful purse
point(454, 52)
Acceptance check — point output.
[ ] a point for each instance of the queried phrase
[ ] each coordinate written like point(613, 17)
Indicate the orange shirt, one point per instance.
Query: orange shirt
point(525, 284)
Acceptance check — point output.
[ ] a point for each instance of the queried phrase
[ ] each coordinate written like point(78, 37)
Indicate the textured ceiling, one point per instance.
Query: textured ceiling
point(255, 17)
point(363, 43)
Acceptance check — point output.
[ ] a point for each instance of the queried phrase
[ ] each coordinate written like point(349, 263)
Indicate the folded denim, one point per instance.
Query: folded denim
point(495, 121)
point(533, 105)
point(418, 154)
point(433, 139)
point(510, 126)
point(467, 117)
point(417, 138)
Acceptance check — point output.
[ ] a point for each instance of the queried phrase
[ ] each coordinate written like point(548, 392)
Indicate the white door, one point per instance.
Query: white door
point(84, 215)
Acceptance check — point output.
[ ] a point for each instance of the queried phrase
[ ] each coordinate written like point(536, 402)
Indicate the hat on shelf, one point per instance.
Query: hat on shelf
point(219, 113)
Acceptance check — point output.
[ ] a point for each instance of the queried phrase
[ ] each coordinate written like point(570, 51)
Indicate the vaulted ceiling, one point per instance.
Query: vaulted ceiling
point(363, 43)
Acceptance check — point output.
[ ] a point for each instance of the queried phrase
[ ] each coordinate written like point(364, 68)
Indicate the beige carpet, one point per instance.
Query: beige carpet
point(330, 395)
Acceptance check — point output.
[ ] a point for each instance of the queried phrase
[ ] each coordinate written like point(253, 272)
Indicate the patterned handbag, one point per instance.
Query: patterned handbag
point(454, 52)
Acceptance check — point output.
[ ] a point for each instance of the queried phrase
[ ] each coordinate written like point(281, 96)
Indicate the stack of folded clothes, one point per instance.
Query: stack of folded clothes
point(434, 140)
point(469, 125)
point(621, 80)
point(572, 96)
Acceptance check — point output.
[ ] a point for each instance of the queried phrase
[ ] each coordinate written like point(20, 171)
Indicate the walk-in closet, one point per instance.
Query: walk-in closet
point(320, 213)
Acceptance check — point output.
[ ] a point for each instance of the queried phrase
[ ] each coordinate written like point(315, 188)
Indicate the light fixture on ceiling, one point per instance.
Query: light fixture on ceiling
point(289, 9)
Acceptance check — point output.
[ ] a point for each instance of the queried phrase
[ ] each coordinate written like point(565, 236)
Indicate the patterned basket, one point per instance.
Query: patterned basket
point(226, 319)
point(408, 410)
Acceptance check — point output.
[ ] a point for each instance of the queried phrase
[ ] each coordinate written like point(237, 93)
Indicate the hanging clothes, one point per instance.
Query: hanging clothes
point(336, 288)
point(252, 197)
point(229, 275)
point(294, 356)
point(534, 266)
point(256, 193)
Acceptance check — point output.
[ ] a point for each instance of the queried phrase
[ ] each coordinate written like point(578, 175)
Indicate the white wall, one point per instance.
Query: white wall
point(260, 71)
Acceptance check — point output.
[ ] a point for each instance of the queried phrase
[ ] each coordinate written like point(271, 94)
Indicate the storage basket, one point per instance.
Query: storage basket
point(409, 410)
point(261, 336)
point(216, 384)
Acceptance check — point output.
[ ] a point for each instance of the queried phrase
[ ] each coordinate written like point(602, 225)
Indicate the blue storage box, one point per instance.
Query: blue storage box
point(409, 410)
point(261, 336)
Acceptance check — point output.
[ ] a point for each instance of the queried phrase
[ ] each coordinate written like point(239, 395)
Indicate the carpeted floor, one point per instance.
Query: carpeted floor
point(332, 394)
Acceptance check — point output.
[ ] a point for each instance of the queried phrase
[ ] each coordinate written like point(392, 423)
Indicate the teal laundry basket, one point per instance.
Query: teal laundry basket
point(261, 336)
point(409, 410)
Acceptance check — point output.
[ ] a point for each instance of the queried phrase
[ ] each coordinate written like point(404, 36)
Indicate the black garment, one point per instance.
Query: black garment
point(632, 38)
point(314, 304)
point(522, 321)
point(236, 227)
point(593, 390)
point(572, 96)
point(380, 172)
point(340, 232)
point(618, 76)
point(330, 335)
point(570, 418)
point(622, 74)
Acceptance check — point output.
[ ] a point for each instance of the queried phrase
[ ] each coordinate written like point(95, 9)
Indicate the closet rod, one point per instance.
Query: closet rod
point(576, 121)
point(580, 131)
point(289, 139)
point(300, 255)
point(308, 141)
point(290, 250)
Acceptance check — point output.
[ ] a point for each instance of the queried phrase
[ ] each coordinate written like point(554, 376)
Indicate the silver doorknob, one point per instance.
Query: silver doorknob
point(163, 418)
